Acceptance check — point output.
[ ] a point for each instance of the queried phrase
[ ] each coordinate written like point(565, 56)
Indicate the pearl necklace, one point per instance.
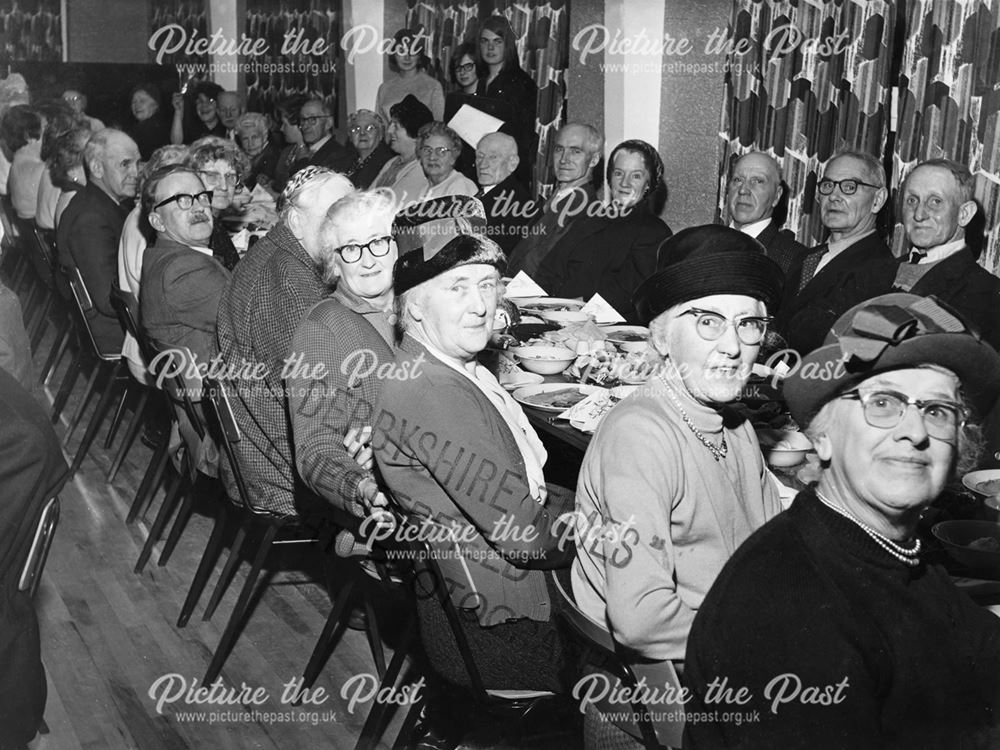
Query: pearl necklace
point(718, 451)
point(901, 553)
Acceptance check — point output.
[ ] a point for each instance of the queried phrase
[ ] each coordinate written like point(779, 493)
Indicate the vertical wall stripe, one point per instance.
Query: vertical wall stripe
point(364, 75)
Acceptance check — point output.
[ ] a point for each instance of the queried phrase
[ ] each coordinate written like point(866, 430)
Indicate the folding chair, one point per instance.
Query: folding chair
point(38, 553)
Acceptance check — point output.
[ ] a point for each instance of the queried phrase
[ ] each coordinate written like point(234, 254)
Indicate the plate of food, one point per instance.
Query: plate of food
point(984, 482)
point(553, 397)
point(628, 338)
point(539, 305)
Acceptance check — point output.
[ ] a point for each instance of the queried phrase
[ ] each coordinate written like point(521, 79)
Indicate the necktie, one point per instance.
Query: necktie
point(917, 255)
point(811, 263)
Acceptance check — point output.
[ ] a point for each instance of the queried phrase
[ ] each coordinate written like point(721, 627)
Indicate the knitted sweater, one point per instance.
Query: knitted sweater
point(900, 657)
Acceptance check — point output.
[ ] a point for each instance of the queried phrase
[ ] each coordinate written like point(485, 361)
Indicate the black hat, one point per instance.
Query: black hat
point(412, 114)
point(701, 261)
point(416, 267)
point(890, 332)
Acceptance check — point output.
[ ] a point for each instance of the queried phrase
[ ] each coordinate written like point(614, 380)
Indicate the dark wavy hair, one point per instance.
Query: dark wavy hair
point(500, 26)
point(470, 49)
point(423, 61)
point(66, 152)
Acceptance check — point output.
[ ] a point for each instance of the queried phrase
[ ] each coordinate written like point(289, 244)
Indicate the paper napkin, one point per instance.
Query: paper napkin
point(601, 311)
point(523, 285)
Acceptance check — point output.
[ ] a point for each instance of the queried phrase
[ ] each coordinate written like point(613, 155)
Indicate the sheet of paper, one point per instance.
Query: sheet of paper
point(472, 124)
point(523, 285)
point(601, 311)
point(587, 414)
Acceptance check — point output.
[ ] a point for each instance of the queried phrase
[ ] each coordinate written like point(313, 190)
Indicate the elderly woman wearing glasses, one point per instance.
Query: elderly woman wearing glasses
point(438, 147)
point(672, 483)
point(350, 335)
point(841, 633)
point(220, 164)
point(367, 133)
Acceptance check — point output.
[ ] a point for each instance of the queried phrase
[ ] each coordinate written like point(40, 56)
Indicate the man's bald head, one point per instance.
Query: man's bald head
point(496, 158)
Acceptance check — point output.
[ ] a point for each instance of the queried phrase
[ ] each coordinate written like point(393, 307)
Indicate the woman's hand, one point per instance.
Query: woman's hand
point(358, 445)
point(177, 100)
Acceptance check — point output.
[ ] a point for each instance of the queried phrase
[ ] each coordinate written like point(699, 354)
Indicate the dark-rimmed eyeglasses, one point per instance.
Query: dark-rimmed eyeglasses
point(378, 247)
point(710, 326)
point(847, 187)
point(885, 409)
point(184, 201)
point(312, 118)
point(466, 68)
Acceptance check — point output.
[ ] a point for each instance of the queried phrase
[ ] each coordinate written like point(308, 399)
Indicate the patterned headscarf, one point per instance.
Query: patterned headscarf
point(298, 181)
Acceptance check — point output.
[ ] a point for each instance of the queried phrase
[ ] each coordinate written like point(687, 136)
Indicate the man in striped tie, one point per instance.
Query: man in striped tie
point(853, 265)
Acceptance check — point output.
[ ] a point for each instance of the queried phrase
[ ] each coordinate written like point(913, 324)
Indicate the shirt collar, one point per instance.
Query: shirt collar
point(942, 251)
point(754, 229)
point(836, 246)
point(319, 144)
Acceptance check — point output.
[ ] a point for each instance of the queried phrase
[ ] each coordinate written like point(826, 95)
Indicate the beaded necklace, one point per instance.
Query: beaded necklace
point(718, 451)
point(901, 553)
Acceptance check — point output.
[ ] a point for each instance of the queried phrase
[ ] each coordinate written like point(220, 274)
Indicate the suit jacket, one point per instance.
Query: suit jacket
point(179, 301)
point(331, 155)
point(781, 246)
point(505, 223)
point(87, 238)
point(551, 222)
point(610, 257)
point(865, 269)
point(969, 288)
point(468, 473)
point(271, 289)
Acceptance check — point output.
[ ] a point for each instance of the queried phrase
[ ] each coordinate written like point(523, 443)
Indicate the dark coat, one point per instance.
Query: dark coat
point(363, 175)
point(32, 470)
point(87, 238)
point(781, 245)
point(864, 270)
point(517, 95)
point(331, 155)
point(263, 164)
point(969, 288)
point(610, 257)
point(504, 206)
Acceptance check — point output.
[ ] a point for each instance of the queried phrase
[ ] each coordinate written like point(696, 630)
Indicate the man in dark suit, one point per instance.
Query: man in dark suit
point(755, 188)
point(181, 282)
point(575, 153)
point(319, 146)
point(91, 226)
point(503, 196)
point(937, 205)
point(853, 265)
point(937, 202)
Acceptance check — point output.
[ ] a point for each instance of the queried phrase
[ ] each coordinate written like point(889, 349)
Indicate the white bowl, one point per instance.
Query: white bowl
point(794, 446)
point(542, 359)
point(621, 336)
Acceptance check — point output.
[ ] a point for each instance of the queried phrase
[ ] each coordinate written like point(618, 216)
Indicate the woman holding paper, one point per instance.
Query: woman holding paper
point(612, 252)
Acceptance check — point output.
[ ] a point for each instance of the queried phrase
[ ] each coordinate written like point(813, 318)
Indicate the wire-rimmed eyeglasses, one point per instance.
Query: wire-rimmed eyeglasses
point(885, 409)
point(711, 325)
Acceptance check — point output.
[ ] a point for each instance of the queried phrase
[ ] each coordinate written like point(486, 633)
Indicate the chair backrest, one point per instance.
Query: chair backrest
point(83, 305)
point(38, 553)
point(656, 726)
point(126, 307)
point(227, 433)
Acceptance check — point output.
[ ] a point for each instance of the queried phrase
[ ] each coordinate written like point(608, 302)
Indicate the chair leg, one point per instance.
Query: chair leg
point(59, 345)
point(41, 323)
point(374, 641)
point(375, 725)
point(334, 625)
point(150, 480)
point(116, 420)
point(131, 432)
point(88, 393)
point(95, 420)
point(227, 571)
point(69, 380)
point(207, 564)
point(235, 623)
point(180, 523)
point(178, 484)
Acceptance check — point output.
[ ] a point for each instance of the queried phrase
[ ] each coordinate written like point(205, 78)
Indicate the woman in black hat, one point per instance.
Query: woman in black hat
point(672, 483)
point(840, 631)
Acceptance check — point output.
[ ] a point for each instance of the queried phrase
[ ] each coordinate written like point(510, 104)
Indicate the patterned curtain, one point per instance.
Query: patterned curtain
point(30, 31)
point(542, 31)
point(950, 102)
point(190, 15)
point(801, 95)
point(272, 77)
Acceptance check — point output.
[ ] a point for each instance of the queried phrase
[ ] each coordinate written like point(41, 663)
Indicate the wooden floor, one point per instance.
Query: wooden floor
point(108, 634)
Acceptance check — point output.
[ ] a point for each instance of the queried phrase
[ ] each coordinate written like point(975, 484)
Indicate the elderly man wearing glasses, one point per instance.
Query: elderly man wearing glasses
point(854, 264)
point(840, 632)
point(672, 484)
